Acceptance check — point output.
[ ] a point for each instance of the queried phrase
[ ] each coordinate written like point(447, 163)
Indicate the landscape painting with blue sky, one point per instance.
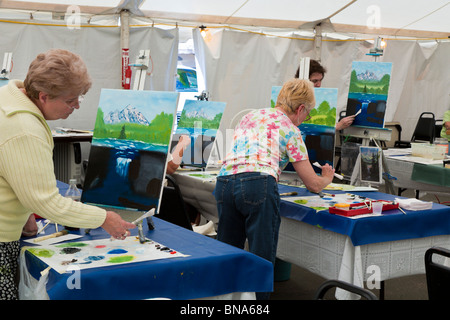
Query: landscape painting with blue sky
point(200, 120)
point(368, 92)
point(130, 144)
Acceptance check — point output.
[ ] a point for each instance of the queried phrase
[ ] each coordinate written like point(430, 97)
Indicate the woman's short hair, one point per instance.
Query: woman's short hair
point(57, 72)
point(294, 93)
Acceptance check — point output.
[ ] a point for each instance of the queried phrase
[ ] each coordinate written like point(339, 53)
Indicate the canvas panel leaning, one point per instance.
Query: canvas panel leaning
point(371, 169)
point(130, 144)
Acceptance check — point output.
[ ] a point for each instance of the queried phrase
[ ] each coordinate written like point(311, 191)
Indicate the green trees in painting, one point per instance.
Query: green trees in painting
point(188, 122)
point(323, 115)
point(369, 86)
point(158, 132)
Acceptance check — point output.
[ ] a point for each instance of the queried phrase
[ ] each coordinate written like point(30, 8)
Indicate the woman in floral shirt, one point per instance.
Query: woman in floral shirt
point(247, 191)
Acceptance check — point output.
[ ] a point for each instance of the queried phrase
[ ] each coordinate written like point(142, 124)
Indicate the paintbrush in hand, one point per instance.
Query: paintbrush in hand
point(149, 213)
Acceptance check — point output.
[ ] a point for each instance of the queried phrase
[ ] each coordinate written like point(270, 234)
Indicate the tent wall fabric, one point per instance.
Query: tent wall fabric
point(421, 81)
point(100, 49)
point(240, 69)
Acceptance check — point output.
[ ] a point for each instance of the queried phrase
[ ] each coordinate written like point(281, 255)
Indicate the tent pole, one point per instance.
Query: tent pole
point(124, 28)
point(318, 42)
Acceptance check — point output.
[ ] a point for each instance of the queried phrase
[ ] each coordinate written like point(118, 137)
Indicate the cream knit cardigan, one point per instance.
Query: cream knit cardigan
point(27, 179)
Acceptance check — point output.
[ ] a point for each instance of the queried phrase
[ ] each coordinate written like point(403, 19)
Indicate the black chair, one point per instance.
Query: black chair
point(173, 208)
point(438, 127)
point(438, 275)
point(424, 131)
point(337, 148)
point(327, 285)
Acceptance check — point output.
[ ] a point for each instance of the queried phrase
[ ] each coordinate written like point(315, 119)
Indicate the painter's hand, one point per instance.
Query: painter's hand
point(328, 172)
point(345, 122)
point(184, 141)
point(116, 226)
point(30, 228)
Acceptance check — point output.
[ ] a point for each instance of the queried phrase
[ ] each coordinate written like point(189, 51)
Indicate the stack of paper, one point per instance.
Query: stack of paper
point(413, 204)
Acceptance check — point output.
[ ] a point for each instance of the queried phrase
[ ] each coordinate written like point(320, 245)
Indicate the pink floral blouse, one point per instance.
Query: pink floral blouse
point(264, 141)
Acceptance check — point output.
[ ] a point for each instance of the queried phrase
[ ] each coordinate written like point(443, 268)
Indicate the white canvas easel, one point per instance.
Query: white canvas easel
point(141, 65)
point(7, 66)
point(304, 68)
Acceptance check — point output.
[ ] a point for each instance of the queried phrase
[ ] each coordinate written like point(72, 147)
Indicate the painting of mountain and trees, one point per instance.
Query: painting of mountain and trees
point(130, 144)
point(200, 120)
point(368, 92)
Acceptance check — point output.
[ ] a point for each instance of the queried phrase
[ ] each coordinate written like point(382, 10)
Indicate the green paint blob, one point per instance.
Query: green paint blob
point(44, 253)
point(121, 259)
point(72, 244)
point(319, 208)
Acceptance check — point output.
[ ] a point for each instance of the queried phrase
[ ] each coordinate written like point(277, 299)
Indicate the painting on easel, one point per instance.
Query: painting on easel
point(319, 131)
point(131, 140)
point(200, 120)
point(368, 92)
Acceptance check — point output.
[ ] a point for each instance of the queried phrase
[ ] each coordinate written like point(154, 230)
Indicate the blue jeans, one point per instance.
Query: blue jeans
point(249, 208)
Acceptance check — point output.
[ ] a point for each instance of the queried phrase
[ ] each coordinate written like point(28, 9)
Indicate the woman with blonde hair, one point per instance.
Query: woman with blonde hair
point(246, 191)
point(51, 90)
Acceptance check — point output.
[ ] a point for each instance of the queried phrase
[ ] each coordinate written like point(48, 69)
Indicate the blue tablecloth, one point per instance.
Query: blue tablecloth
point(213, 268)
point(390, 226)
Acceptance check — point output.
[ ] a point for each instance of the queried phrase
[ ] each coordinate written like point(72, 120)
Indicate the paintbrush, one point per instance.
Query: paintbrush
point(42, 229)
point(149, 213)
point(288, 194)
point(53, 235)
point(335, 174)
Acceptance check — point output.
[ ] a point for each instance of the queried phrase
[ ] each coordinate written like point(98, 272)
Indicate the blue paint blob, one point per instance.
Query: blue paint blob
point(94, 258)
point(117, 251)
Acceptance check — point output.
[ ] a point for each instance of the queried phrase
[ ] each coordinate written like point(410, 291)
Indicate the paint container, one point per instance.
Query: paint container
point(377, 207)
point(342, 206)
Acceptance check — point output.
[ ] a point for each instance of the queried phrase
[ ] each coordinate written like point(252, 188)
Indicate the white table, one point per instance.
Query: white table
point(402, 168)
point(198, 192)
point(332, 255)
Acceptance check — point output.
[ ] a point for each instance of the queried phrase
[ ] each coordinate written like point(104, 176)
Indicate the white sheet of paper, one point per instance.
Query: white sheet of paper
point(101, 253)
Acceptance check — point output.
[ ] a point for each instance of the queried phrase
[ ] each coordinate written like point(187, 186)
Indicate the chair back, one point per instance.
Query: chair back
point(425, 128)
point(437, 274)
point(327, 285)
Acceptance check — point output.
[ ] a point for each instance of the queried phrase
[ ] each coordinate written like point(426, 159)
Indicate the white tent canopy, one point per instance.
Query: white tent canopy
point(254, 44)
point(400, 17)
